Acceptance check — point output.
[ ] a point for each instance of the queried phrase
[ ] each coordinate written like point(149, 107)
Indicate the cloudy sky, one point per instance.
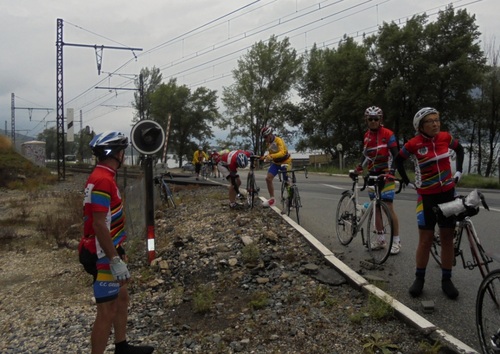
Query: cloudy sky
point(195, 41)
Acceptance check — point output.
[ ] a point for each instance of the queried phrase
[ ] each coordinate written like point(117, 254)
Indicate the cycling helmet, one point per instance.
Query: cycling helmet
point(108, 143)
point(241, 160)
point(200, 147)
point(422, 113)
point(374, 111)
point(266, 131)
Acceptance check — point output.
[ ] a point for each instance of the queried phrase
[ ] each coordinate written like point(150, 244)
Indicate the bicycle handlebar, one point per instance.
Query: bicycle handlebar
point(354, 176)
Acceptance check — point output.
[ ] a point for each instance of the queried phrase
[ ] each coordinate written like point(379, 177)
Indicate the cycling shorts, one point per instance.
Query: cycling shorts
point(104, 286)
point(426, 218)
point(225, 171)
point(387, 193)
point(274, 168)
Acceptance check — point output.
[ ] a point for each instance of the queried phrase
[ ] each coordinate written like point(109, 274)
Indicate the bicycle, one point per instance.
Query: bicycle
point(290, 197)
point(488, 311)
point(351, 215)
point(165, 193)
point(252, 188)
point(464, 212)
point(206, 170)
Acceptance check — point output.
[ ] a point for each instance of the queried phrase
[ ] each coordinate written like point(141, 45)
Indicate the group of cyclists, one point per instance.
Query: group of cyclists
point(101, 248)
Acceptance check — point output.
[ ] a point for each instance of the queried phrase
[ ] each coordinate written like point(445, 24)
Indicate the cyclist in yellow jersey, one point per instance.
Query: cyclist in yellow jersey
point(278, 155)
point(198, 158)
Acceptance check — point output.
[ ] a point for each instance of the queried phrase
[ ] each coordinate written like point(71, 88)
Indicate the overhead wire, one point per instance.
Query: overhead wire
point(224, 58)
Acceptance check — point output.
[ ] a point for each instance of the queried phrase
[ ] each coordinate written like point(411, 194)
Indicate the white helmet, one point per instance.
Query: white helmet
point(374, 111)
point(422, 113)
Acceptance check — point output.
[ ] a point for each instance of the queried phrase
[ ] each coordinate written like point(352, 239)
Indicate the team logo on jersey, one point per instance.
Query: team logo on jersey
point(423, 151)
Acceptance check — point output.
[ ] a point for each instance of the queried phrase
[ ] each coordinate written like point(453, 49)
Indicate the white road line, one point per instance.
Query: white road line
point(334, 187)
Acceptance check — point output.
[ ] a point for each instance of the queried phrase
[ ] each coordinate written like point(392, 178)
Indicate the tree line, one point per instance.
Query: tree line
point(316, 100)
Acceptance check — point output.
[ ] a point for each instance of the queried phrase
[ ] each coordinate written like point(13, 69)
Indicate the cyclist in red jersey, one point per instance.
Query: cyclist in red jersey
point(100, 249)
point(228, 166)
point(435, 184)
point(379, 150)
point(214, 159)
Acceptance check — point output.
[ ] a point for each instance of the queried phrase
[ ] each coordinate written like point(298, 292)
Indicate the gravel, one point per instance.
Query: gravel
point(224, 281)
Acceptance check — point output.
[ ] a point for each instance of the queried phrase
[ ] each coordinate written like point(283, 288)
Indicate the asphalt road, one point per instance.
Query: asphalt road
point(320, 195)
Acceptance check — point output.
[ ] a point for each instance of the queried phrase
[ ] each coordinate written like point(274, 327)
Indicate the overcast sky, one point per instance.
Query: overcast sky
point(195, 41)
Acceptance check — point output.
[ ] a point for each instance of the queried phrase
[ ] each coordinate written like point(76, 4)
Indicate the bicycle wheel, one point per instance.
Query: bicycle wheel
point(296, 201)
point(170, 197)
point(379, 233)
point(488, 313)
point(251, 189)
point(436, 245)
point(284, 198)
point(345, 218)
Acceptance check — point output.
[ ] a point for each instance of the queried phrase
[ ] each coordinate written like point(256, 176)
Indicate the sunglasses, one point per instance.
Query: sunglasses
point(373, 119)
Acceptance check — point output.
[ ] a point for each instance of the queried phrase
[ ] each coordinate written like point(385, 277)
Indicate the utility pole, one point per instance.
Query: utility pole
point(61, 170)
point(13, 117)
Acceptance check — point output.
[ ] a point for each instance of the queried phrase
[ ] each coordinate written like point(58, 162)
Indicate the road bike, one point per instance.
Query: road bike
point(488, 311)
point(351, 216)
point(164, 190)
point(290, 197)
point(487, 306)
point(464, 226)
point(252, 188)
point(206, 170)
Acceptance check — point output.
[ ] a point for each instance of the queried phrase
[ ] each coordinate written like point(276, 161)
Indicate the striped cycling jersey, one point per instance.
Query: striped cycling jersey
point(432, 161)
point(102, 195)
point(377, 146)
point(229, 159)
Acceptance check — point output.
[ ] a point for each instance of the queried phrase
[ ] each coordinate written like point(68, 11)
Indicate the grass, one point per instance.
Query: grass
point(203, 299)
point(467, 180)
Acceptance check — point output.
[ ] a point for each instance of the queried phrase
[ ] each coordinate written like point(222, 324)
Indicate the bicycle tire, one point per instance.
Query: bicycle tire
point(296, 201)
point(251, 189)
point(436, 246)
point(167, 196)
point(284, 198)
point(488, 313)
point(345, 218)
point(379, 255)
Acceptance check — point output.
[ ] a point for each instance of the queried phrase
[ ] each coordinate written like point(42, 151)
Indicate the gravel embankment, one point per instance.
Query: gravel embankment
point(275, 296)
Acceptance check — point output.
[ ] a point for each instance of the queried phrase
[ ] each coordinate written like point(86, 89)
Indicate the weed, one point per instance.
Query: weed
point(259, 300)
point(379, 308)
point(250, 254)
point(376, 343)
point(203, 298)
point(427, 348)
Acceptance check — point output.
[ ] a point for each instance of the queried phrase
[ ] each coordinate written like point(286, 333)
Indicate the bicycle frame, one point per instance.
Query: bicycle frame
point(464, 224)
point(290, 197)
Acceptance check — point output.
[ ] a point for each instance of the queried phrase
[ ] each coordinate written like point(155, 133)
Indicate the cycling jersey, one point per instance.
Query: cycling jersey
point(229, 159)
point(199, 156)
point(432, 161)
point(279, 152)
point(377, 145)
point(102, 195)
point(215, 158)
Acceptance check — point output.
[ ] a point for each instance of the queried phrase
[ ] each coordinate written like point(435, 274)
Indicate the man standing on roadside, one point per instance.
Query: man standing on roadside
point(100, 250)
point(199, 157)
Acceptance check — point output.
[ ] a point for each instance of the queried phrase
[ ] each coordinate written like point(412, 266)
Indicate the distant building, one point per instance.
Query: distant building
point(34, 151)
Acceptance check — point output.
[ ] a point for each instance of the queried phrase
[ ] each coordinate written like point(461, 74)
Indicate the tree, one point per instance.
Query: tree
point(334, 92)
point(192, 115)
point(147, 83)
point(263, 79)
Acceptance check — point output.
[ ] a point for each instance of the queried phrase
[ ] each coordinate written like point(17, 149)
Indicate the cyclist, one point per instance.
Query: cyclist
point(278, 155)
point(228, 166)
point(214, 160)
point(100, 249)
point(435, 184)
point(198, 158)
point(379, 150)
